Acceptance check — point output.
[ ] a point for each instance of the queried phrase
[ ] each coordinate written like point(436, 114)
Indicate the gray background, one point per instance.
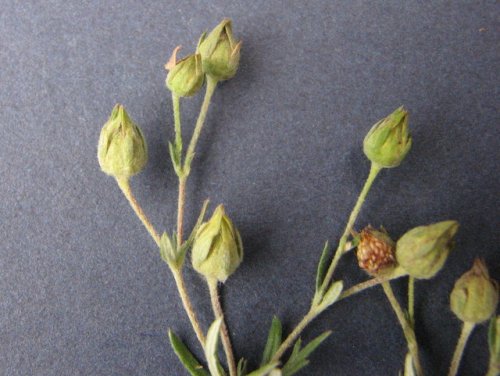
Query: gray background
point(83, 290)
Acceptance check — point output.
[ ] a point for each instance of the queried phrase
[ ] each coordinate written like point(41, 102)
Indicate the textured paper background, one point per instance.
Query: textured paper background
point(83, 290)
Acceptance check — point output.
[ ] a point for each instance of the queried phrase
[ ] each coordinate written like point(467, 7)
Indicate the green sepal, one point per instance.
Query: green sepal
point(264, 370)
point(273, 341)
point(211, 344)
point(175, 156)
point(241, 369)
point(331, 295)
point(322, 267)
point(298, 359)
point(185, 356)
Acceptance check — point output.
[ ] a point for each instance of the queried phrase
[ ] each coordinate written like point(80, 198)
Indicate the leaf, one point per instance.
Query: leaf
point(176, 159)
point(322, 266)
point(264, 370)
point(185, 356)
point(331, 295)
point(167, 250)
point(409, 370)
point(273, 341)
point(211, 343)
point(298, 359)
point(242, 367)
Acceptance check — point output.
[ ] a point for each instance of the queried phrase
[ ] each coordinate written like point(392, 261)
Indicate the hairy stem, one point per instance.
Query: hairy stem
point(180, 209)
point(374, 170)
point(408, 331)
point(289, 341)
point(226, 340)
point(211, 86)
point(411, 299)
point(188, 307)
point(127, 192)
point(467, 329)
point(365, 285)
point(177, 121)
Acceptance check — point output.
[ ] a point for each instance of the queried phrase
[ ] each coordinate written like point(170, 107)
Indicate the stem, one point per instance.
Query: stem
point(177, 121)
point(365, 285)
point(211, 85)
point(493, 369)
point(374, 170)
point(180, 208)
point(408, 331)
point(226, 341)
point(188, 307)
point(310, 316)
point(411, 299)
point(124, 185)
point(459, 350)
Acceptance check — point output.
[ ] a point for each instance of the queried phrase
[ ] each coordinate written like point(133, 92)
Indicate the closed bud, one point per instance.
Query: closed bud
point(422, 251)
point(217, 248)
point(389, 140)
point(185, 77)
point(376, 251)
point(474, 297)
point(122, 150)
point(220, 52)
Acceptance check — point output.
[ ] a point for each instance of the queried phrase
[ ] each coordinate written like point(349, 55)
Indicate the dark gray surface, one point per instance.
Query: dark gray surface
point(83, 290)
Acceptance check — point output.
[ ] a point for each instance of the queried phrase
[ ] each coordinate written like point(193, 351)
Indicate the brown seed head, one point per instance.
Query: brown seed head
point(376, 251)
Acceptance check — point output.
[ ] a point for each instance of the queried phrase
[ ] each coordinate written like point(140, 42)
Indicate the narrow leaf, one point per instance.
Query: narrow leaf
point(185, 356)
point(322, 266)
point(167, 250)
point(264, 370)
point(242, 367)
point(331, 295)
point(298, 359)
point(273, 341)
point(211, 343)
point(176, 160)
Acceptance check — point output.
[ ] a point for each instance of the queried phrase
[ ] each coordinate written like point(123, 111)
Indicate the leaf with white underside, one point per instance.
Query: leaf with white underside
point(211, 344)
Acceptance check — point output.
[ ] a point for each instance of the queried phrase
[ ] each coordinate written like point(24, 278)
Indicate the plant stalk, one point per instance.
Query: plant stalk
point(411, 299)
point(408, 331)
point(467, 329)
point(374, 170)
point(218, 312)
point(127, 192)
point(211, 86)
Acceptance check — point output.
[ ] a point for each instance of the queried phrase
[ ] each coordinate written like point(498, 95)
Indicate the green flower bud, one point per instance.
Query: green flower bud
point(422, 251)
point(122, 150)
point(475, 295)
point(217, 248)
point(389, 140)
point(185, 77)
point(220, 52)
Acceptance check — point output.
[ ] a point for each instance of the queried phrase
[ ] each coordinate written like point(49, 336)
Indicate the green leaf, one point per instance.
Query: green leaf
point(273, 341)
point(211, 344)
point(185, 356)
point(331, 295)
point(298, 359)
point(409, 370)
point(176, 159)
point(264, 370)
point(242, 367)
point(322, 266)
point(168, 250)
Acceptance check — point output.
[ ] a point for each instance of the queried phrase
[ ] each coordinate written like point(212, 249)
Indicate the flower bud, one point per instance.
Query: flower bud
point(474, 297)
point(389, 140)
point(185, 77)
point(217, 248)
point(220, 52)
point(422, 251)
point(376, 251)
point(122, 150)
